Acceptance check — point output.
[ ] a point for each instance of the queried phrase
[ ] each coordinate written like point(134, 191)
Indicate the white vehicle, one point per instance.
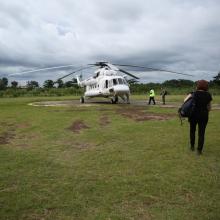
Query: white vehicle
point(107, 83)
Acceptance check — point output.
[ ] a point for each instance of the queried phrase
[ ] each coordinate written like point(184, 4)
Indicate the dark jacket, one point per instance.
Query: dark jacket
point(201, 101)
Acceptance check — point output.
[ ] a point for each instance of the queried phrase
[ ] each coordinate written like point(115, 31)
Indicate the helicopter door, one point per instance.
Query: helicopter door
point(105, 87)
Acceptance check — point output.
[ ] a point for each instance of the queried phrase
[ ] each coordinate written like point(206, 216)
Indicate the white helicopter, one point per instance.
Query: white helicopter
point(107, 82)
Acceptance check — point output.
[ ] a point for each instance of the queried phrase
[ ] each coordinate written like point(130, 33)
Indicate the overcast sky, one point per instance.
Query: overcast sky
point(177, 35)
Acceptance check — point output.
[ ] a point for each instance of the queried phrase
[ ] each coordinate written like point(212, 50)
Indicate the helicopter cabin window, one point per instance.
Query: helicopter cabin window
point(115, 82)
point(120, 81)
point(106, 83)
point(97, 74)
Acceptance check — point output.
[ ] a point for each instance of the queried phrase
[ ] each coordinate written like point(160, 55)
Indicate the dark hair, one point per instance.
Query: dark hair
point(202, 85)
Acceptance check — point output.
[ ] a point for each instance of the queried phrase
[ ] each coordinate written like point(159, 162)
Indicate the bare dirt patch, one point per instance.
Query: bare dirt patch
point(8, 133)
point(66, 103)
point(77, 126)
point(104, 121)
point(140, 114)
point(6, 137)
point(25, 140)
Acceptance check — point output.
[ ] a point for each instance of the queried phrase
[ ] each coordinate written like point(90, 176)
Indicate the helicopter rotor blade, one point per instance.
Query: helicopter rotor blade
point(168, 71)
point(112, 66)
point(154, 69)
point(83, 68)
point(127, 65)
point(42, 69)
point(123, 71)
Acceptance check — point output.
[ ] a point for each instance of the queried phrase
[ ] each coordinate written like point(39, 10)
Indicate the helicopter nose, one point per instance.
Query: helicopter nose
point(121, 89)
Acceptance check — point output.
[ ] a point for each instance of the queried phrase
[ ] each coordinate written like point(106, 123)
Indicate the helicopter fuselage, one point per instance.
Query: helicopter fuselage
point(106, 83)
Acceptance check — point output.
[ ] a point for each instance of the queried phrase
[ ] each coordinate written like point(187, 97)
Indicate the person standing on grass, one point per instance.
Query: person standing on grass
point(163, 95)
point(200, 114)
point(151, 97)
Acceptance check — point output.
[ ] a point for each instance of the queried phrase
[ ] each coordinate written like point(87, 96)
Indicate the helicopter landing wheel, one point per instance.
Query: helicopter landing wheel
point(82, 100)
point(114, 100)
point(127, 98)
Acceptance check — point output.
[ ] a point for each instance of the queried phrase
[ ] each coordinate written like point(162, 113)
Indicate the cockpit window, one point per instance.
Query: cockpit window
point(115, 82)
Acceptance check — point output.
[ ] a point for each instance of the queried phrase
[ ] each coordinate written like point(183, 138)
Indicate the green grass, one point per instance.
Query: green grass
point(123, 170)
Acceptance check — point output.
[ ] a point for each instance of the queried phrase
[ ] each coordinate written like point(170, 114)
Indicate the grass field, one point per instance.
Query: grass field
point(105, 162)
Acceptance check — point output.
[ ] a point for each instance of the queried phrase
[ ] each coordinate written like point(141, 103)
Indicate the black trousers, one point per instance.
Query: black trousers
point(163, 99)
point(151, 98)
point(202, 122)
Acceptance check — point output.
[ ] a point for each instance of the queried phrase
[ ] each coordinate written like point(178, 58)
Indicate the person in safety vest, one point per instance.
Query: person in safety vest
point(151, 97)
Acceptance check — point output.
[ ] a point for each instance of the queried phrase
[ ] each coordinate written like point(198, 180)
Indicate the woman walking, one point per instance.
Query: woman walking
point(200, 114)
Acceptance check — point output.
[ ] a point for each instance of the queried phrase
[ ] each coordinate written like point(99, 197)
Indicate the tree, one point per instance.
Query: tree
point(48, 84)
point(60, 83)
point(132, 81)
point(14, 84)
point(3, 83)
point(69, 84)
point(74, 80)
point(178, 83)
point(32, 85)
point(217, 79)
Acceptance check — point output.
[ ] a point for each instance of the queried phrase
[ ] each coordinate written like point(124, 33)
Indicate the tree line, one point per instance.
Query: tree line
point(60, 87)
point(30, 85)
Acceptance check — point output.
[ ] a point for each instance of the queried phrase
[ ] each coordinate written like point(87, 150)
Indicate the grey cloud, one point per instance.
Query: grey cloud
point(14, 13)
point(178, 35)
